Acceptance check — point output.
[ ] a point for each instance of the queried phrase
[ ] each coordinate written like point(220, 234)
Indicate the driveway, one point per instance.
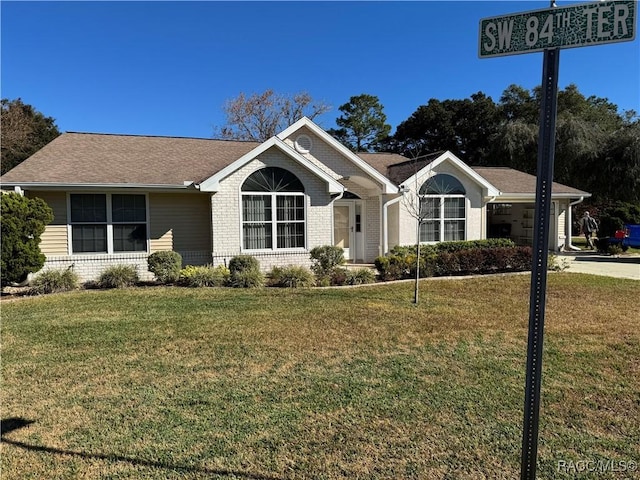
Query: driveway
point(624, 266)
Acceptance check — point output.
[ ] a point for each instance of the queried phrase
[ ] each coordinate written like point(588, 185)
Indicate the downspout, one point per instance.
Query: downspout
point(385, 225)
point(569, 224)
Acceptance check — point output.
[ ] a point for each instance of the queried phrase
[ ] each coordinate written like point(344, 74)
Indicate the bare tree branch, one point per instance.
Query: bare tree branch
point(260, 116)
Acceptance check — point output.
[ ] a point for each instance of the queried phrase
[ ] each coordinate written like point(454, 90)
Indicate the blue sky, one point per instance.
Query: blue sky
point(166, 68)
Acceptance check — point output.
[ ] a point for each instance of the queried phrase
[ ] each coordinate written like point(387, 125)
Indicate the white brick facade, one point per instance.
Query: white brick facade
point(226, 214)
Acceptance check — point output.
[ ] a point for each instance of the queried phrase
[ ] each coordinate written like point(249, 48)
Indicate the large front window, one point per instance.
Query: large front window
point(442, 209)
point(108, 223)
point(273, 213)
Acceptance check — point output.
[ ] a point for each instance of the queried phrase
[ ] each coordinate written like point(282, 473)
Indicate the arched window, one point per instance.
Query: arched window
point(266, 190)
point(442, 209)
point(442, 184)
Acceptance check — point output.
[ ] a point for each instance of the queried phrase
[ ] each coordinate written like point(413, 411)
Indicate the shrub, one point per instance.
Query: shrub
point(455, 258)
point(360, 276)
point(204, 276)
point(246, 279)
point(165, 265)
point(614, 250)
point(555, 264)
point(243, 263)
point(326, 259)
point(613, 216)
point(291, 277)
point(602, 244)
point(521, 259)
point(338, 276)
point(22, 221)
point(53, 281)
point(118, 276)
point(245, 272)
point(447, 264)
point(392, 267)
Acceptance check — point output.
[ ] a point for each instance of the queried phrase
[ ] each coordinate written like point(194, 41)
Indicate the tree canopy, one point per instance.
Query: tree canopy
point(597, 148)
point(24, 132)
point(363, 123)
point(260, 116)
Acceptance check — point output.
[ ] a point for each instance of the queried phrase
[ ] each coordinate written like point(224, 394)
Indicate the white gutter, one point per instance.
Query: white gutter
point(569, 223)
point(385, 224)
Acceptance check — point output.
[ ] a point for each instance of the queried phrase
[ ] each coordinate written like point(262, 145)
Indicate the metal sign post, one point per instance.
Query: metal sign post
point(548, 31)
point(537, 302)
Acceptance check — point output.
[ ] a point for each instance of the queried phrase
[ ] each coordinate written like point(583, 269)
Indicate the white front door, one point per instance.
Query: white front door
point(343, 231)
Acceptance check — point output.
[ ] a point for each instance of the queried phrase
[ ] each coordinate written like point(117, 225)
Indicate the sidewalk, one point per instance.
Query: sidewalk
point(623, 266)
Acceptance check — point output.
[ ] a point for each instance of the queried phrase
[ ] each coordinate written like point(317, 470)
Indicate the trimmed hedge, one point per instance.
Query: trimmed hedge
point(455, 258)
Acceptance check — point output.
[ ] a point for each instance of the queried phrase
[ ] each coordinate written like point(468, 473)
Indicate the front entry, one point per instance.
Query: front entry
point(348, 233)
point(343, 231)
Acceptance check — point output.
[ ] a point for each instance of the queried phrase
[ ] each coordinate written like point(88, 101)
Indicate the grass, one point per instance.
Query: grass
point(321, 384)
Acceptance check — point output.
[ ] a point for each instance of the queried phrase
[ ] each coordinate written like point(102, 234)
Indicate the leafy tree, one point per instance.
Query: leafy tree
point(515, 145)
point(618, 169)
point(260, 116)
point(427, 130)
point(363, 124)
point(519, 104)
point(462, 126)
point(22, 221)
point(24, 131)
point(597, 149)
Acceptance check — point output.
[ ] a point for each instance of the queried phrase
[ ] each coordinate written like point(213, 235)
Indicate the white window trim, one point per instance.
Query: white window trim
point(109, 224)
point(274, 222)
point(442, 219)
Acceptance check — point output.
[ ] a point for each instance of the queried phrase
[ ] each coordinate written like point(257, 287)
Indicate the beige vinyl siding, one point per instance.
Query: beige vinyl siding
point(180, 222)
point(54, 238)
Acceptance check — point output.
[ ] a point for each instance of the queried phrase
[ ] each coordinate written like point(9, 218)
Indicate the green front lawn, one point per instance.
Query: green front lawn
point(319, 384)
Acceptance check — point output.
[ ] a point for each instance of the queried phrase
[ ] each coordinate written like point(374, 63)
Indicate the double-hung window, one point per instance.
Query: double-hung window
point(273, 210)
point(108, 223)
point(442, 209)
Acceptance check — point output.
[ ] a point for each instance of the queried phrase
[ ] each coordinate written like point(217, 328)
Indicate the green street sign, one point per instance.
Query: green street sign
point(579, 25)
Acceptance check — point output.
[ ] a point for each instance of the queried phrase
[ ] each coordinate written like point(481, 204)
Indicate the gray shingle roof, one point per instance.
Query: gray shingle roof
point(510, 181)
point(395, 167)
point(91, 158)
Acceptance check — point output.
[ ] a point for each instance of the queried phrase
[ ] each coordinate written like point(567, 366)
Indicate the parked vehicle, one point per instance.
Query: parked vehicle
point(629, 236)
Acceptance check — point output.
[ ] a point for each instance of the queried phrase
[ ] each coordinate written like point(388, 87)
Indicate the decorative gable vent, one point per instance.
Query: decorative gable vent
point(303, 144)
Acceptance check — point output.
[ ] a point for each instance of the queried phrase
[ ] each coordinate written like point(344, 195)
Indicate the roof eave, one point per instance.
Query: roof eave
point(212, 184)
point(101, 186)
point(504, 196)
point(489, 188)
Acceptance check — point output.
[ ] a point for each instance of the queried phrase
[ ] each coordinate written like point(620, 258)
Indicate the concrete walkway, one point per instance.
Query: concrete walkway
point(623, 266)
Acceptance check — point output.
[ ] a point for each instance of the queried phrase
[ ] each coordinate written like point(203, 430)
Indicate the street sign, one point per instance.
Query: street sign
point(548, 30)
point(560, 27)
